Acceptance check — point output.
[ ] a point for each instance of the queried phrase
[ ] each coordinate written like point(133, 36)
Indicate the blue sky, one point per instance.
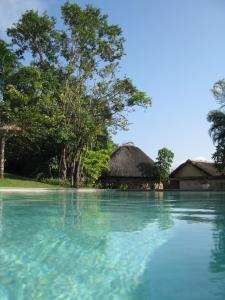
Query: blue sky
point(175, 53)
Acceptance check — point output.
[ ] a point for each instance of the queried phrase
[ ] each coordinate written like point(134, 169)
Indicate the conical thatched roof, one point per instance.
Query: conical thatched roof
point(130, 161)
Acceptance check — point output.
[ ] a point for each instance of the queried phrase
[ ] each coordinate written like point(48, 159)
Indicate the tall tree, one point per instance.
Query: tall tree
point(217, 130)
point(8, 64)
point(82, 61)
point(21, 95)
point(164, 162)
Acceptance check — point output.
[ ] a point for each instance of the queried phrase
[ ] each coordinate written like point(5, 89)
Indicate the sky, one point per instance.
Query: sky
point(175, 53)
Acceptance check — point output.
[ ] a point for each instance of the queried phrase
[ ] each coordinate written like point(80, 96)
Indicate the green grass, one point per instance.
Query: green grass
point(13, 181)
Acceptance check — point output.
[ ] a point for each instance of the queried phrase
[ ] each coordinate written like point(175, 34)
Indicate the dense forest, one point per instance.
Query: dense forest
point(62, 95)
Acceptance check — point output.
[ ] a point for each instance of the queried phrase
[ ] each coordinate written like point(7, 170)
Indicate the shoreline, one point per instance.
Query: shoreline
point(93, 190)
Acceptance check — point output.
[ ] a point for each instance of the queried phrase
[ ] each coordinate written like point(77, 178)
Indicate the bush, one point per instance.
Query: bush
point(55, 181)
point(39, 176)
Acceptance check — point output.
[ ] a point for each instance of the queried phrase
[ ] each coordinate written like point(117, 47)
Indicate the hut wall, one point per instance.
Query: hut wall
point(193, 184)
point(202, 184)
point(128, 180)
point(217, 184)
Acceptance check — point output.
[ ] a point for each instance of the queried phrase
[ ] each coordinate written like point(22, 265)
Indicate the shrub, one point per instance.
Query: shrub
point(55, 181)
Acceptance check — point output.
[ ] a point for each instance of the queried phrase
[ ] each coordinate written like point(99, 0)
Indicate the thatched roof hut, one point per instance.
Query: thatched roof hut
point(197, 175)
point(130, 165)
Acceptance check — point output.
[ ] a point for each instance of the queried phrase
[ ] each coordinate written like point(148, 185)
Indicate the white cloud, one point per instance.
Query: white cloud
point(201, 158)
point(11, 10)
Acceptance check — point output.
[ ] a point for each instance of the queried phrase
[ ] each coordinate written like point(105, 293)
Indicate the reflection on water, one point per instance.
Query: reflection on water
point(112, 245)
point(218, 253)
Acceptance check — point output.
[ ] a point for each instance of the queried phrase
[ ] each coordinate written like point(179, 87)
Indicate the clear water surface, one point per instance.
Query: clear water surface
point(112, 245)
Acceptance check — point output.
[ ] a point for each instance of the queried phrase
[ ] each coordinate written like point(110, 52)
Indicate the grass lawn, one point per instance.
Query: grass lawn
point(13, 181)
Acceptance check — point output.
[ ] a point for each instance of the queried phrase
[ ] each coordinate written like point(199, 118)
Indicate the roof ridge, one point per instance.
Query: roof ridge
point(201, 161)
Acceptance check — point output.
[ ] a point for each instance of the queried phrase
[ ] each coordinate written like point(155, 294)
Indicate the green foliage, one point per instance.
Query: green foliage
point(219, 157)
point(8, 66)
point(217, 130)
point(68, 95)
point(219, 92)
point(164, 162)
point(94, 163)
point(20, 87)
point(55, 181)
point(37, 34)
point(24, 88)
point(92, 36)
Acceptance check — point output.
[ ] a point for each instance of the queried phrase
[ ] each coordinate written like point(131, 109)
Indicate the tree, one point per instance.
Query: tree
point(217, 130)
point(219, 157)
point(219, 92)
point(22, 97)
point(8, 65)
point(79, 67)
point(164, 162)
point(6, 131)
point(96, 161)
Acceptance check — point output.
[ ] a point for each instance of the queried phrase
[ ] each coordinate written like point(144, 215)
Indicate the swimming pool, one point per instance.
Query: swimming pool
point(112, 245)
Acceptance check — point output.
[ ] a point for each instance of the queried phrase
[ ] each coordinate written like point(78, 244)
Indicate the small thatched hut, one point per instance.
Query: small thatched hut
point(197, 175)
point(131, 167)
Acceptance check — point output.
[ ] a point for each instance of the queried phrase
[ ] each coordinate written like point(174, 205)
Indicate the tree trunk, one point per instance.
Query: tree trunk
point(64, 164)
point(72, 172)
point(77, 174)
point(2, 157)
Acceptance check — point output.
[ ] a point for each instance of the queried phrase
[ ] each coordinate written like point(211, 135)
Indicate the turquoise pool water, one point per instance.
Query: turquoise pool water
point(112, 245)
